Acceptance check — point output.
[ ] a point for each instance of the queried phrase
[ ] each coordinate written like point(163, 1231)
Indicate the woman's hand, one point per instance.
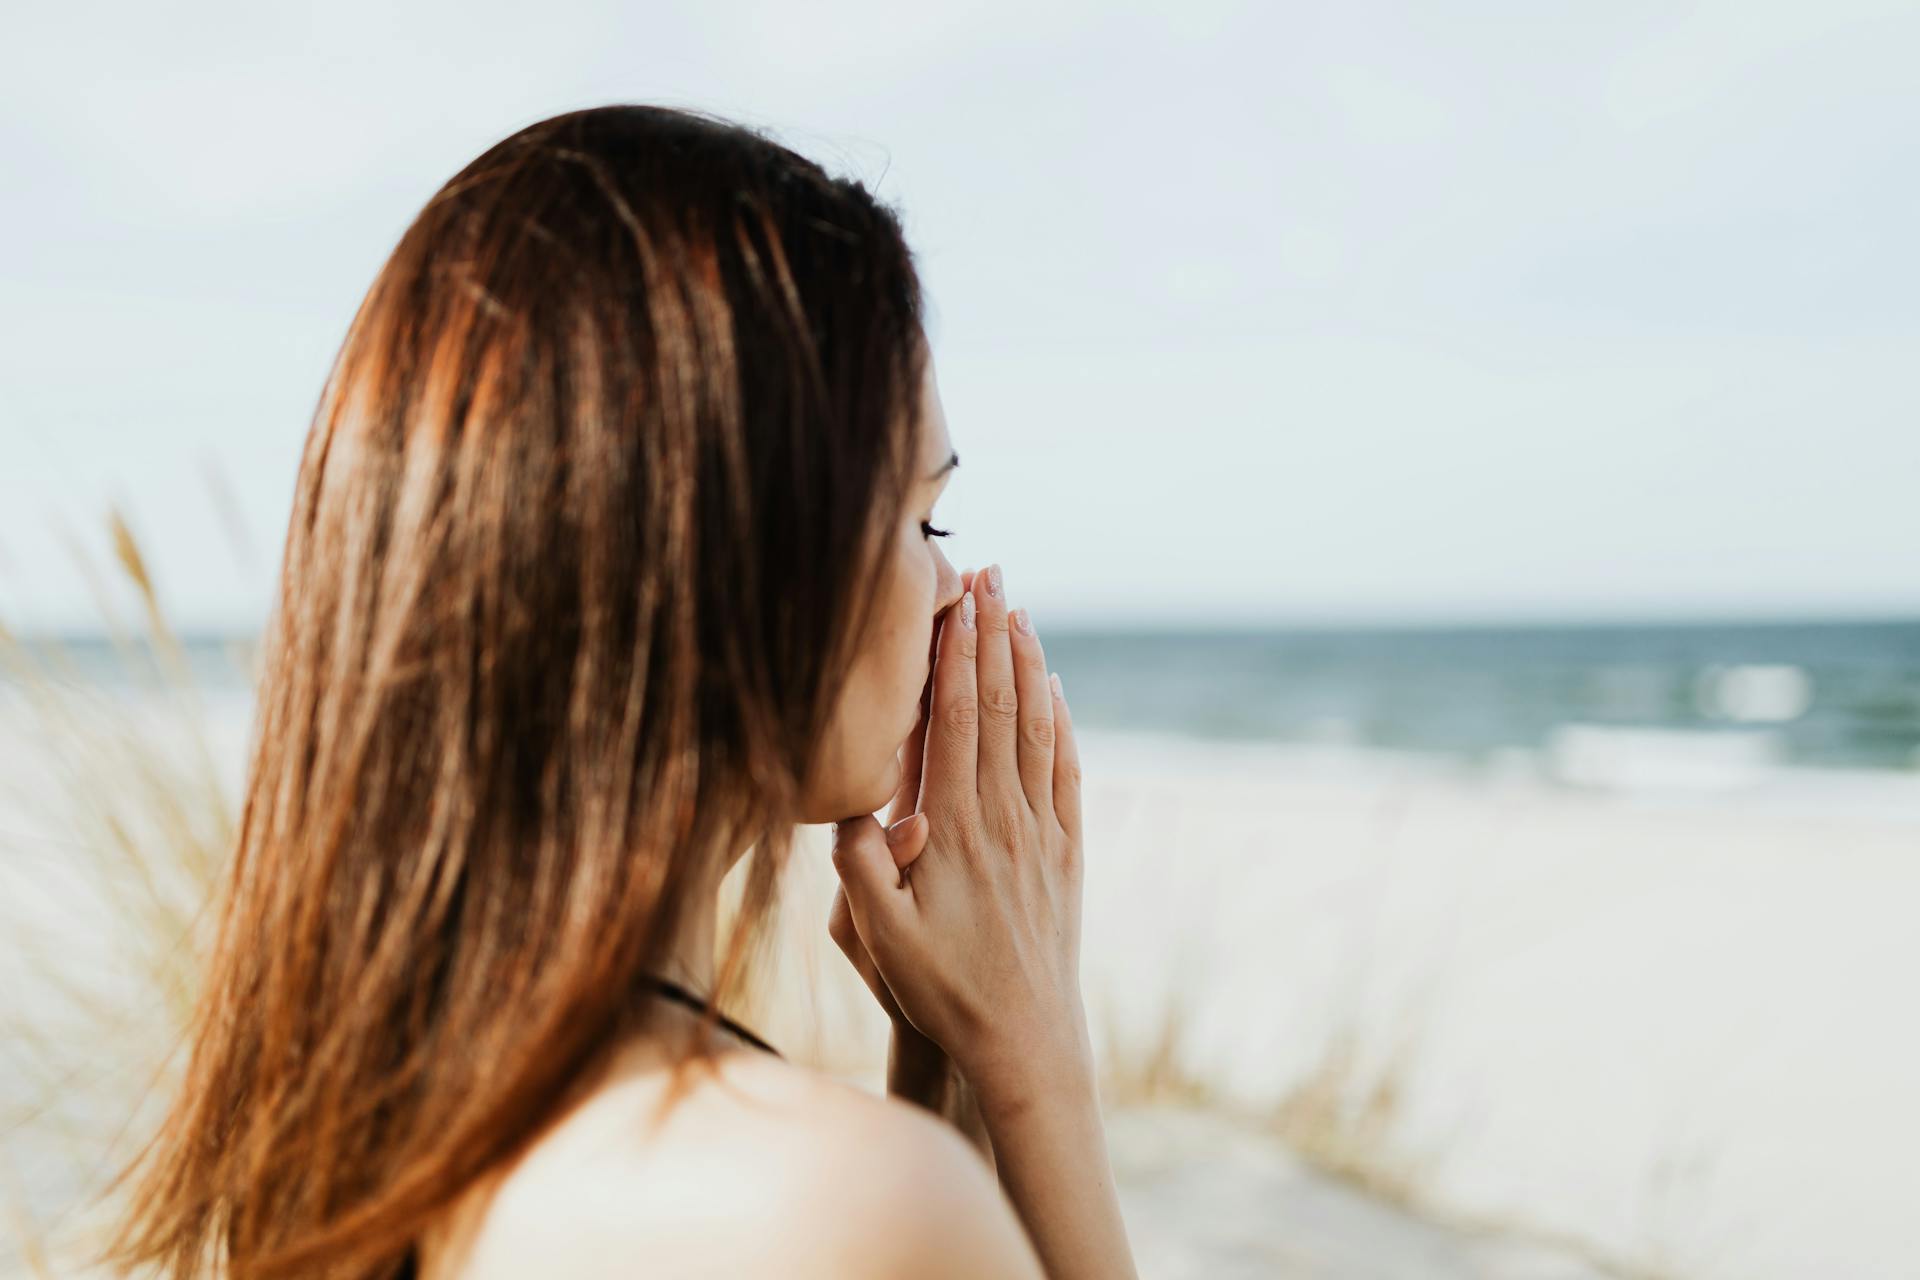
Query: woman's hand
point(905, 839)
point(977, 939)
point(918, 1070)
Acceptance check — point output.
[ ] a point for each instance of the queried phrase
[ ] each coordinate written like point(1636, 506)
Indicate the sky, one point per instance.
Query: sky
point(1341, 313)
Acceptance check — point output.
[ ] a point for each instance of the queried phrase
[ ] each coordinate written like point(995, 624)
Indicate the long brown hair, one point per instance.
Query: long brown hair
point(581, 550)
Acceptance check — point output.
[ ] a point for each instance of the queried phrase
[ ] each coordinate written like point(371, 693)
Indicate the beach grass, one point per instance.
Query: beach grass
point(107, 898)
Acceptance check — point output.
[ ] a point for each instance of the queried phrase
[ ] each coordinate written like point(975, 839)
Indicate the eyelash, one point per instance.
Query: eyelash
point(931, 532)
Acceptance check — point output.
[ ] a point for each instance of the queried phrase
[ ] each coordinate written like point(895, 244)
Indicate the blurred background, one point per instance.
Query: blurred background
point(1460, 458)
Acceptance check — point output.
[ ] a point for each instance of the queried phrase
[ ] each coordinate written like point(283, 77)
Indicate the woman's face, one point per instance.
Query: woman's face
point(858, 769)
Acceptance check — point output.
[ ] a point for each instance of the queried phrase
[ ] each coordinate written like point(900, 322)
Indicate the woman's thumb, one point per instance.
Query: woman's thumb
point(907, 839)
point(866, 868)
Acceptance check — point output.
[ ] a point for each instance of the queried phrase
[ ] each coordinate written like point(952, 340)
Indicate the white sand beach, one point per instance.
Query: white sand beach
point(1673, 1026)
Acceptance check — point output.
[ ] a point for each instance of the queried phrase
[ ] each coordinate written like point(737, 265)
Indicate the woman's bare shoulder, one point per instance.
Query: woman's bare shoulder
point(883, 1188)
point(762, 1168)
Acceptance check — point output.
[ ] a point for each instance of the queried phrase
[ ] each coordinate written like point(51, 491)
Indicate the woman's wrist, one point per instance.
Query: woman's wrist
point(918, 1069)
point(1019, 1074)
point(921, 1072)
point(1002, 1076)
point(1050, 1153)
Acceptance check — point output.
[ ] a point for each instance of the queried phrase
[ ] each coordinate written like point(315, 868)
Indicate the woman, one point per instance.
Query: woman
point(610, 561)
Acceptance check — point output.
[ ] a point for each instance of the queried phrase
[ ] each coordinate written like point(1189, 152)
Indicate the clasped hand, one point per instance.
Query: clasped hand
point(963, 914)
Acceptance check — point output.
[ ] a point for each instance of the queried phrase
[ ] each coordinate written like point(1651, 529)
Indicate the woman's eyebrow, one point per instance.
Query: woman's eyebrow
point(953, 460)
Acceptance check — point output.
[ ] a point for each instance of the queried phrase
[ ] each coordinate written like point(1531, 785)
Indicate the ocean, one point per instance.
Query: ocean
point(1840, 694)
point(1843, 694)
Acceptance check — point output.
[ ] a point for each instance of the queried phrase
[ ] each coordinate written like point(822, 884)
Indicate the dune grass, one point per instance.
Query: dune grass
point(105, 900)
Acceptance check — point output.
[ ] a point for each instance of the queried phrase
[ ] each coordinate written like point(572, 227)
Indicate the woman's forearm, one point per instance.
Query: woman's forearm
point(1050, 1146)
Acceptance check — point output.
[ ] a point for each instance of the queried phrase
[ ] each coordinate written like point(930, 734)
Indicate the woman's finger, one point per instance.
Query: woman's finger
point(840, 928)
point(1066, 763)
point(913, 754)
point(1035, 727)
point(950, 774)
point(999, 700)
point(845, 936)
point(876, 892)
point(907, 839)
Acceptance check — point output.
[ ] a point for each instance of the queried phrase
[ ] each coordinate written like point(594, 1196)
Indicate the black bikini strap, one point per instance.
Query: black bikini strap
point(675, 992)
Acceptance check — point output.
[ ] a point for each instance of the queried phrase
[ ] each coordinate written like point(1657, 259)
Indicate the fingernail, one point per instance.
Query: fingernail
point(966, 611)
point(898, 831)
point(1058, 692)
point(993, 581)
point(1023, 622)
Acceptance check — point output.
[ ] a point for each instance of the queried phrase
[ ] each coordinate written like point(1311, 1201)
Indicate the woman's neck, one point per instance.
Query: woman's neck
point(689, 959)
